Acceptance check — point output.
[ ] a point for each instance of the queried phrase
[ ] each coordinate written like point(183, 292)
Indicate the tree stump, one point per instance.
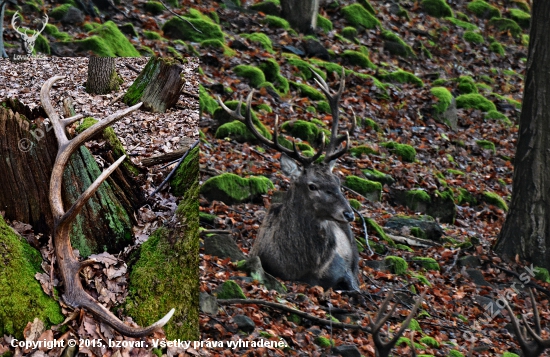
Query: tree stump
point(27, 157)
point(102, 76)
point(158, 86)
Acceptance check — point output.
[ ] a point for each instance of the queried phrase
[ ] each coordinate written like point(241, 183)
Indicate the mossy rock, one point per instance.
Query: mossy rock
point(271, 70)
point(21, 296)
point(233, 189)
point(366, 4)
point(166, 274)
point(324, 23)
point(497, 48)
point(401, 76)
point(186, 174)
point(483, 9)
point(494, 114)
point(305, 67)
point(476, 101)
point(108, 41)
point(304, 130)
point(53, 31)
point(444, 99)
point(254, 75)
point(372, 190)
point(308, 91)
point(356, 58)
point(428, 340)
point(437, 8)
point(417, 200)
point(495, 200)
point(349, 32)
point(357, 15)
point(268, 7)
point(355, 204)
point(466, 85)
point(379, 232)
point(406, 152)
point(473, 37)
point(261, 39)
point(230, 290)
point(464, 24)
point(235, 130)
point(154, 7)
point(487, 145)
point(222, 117)
point(464, 196)
point(276, 22)
point(430, 228)
point(375, 175)
point(206, 102)
point(395, 45)
point(521, 17)
point(506, 25)
point(358, 151)
point(60, 11)
point(227, 51)
point(176, 28)
point(397, 265)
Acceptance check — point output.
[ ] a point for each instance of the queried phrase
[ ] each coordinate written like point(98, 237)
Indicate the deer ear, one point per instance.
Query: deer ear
point(331, 165)
point(290, 167)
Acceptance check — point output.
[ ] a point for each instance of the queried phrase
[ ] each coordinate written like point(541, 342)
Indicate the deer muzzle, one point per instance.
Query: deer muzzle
point(349, 216)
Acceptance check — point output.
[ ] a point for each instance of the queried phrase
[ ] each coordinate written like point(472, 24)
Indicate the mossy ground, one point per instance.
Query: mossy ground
point(21, 296)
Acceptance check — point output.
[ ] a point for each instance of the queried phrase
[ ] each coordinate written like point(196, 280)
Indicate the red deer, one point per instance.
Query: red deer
point(307, 237)
point(69, 265)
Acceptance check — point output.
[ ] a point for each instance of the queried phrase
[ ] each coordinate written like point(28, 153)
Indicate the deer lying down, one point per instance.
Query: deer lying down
point(307, 237)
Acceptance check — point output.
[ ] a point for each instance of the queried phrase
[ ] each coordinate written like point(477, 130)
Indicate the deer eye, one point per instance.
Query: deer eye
point(312, 187)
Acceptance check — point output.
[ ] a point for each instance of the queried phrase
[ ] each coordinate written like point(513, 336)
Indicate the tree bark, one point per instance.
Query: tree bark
point(302, 15)
point(158, 86)
point(184, 144)
point(526, 231)
point(27, 157)
point(102, 76)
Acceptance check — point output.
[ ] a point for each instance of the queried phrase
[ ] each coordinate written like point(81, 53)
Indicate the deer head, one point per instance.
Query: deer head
point(69, 266)
point(28, 41)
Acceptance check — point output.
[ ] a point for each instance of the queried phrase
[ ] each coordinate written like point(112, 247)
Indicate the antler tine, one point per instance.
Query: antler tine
point(69, 266)
point(247, 120)
point(13, 19)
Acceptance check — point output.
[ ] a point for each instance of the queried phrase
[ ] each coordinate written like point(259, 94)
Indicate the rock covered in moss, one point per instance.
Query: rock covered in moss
point(304, 130)
point(375, 175)
point(395, 45)
point(486, 144)
point(21, 296)
point(222, 246)
point(276, 22)
point(521, 17)
point(464, 196)
point(361, 150)
point(108, 41)
point(357, 16)
point(401, 76)
point(206, 102)
point(473, 37)
point(483, 9)
point(494, 114)
point(431, 229)
point(254, 75)
point(222, 117)
point(308, 91)
point(230, 290)
point(506, 25)
point(186, 174)
point(437, 8)
point(464, 24)
point(324, 23)
point(154, 7)
point(272, 72)
point(372, 190)
point(268, 7)
point(497, 48)
point(405, 151)
point(476, 101)
point(260, 38)
point(397, 265)
point(495, 200)
point(232, 189)
point(178, 29)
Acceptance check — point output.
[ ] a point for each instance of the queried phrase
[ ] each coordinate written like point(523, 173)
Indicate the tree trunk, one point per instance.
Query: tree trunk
point(302, 15)
point(27, 157)
point(526, 231)
point(102, 76)
point(158, 86)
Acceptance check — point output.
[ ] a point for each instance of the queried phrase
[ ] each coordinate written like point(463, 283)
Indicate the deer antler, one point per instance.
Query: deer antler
point(333, 101)
point(383, 349)
point(537, 345)
point(69, 265)
point(13, 20)
point(35, 35)
point(247, 120)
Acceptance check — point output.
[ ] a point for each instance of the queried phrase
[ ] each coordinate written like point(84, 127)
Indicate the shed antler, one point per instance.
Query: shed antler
point(536, 346)
point(69, 265)
point(335, 140)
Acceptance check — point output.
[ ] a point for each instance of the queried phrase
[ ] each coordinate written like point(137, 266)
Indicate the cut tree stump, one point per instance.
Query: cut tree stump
point(27, 157)
point(158, 86)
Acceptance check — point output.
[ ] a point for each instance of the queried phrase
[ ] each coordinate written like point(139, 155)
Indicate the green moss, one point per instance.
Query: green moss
point(261, 39)
point(324, 23)
point(506, 25)
point(371, 223)
point(525, 40)
point(55, 33)
point(308, 91)
point(323, 107)
point(509, 354)
point(253, 74)
point(223, 117)
point(402, 49)
point(455, 353)
point(418, 232)
point(486, 144)
point(186, 175)
point(357, 15)
point(364, 187)
point(21, 296)
point(414, 197)
point(235, 130)
point(522, 18)
point(108, 41)
point(455, 172)
point(542, 274)
point(230, 290)
point(476, 101)
point(482, 9)
point(464, 24)
point(271, 70)
point(427, 263)
point(397, 265)
point(402, 76)
point(356, 58)
point(493, 114)
point(59, 11)
point(494, 199)
point(406, 152)
point(361, 150)
point(324, 342)
point(349, 32)
point(369, 123)
point(305, 68)
point(179, 29)
point(512, 101)
point(231, 188)
point(276, 22)
point(430, 341)
point(375, 175)
point(270, 7)
point(206, 102)
point(444, 99)
point(302, 129)
point(497, 48)
point(152, 35)
point(355, 204)
point(437, 8)
point(166, 274)
point(154, 7)
point(464, 196)
point(473, 37)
